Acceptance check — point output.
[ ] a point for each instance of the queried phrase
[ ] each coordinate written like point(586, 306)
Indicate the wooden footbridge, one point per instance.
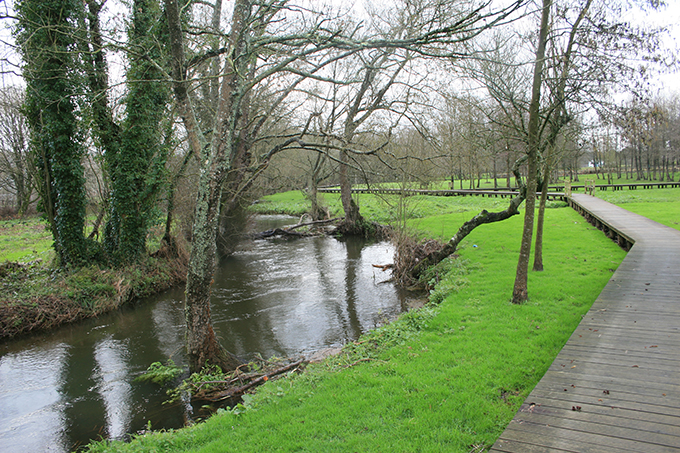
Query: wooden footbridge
point(555, 192)
point(615, 386)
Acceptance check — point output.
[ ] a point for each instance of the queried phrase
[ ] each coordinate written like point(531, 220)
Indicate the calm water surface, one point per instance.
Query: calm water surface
point(277, 297)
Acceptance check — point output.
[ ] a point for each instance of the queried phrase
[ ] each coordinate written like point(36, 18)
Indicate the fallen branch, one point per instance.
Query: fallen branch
point(314, 223)
point(467, 228)
point(277, 232)
point(288, 231)
point(238, 391)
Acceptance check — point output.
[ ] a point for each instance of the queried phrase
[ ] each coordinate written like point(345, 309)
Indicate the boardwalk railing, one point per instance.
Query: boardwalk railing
point(630, 186)
point(495, 193)
point(557, 192)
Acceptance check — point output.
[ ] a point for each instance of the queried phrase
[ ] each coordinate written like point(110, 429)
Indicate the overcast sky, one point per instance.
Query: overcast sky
point(669, 16)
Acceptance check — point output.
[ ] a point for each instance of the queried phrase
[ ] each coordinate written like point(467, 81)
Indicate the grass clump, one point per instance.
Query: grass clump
point(160, 374)
point(34, 296)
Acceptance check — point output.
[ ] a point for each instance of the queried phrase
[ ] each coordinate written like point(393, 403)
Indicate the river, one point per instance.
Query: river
point(278, 297)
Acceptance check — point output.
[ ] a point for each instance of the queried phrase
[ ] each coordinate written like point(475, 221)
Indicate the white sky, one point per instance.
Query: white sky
point(669, 16)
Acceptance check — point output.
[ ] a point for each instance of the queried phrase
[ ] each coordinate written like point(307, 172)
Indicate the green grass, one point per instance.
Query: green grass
point(383, 208)
point(447, 378)
point(25, 240)
point(615, 179)
point(34, 295)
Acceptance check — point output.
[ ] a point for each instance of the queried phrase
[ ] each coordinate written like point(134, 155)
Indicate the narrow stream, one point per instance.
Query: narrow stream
point(278, 297)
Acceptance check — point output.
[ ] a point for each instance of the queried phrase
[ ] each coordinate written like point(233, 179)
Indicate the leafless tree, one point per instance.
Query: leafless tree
point(16, 177)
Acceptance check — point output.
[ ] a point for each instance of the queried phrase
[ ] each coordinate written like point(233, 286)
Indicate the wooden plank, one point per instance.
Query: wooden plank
point(662, 354)
point(612, 383)
point(659, 379)
point(557, 438)
point(517, 446)
point(620, 360)
point(620, 366)
point(663, 409)
point(618, 411)
point(605, 426)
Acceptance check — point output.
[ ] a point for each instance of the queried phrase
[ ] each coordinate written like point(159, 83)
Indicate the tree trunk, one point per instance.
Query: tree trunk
point(202, 345)
point(538, 249)
point(495, 175)
point(507, 167)
point(520, 291)
point(352, 215)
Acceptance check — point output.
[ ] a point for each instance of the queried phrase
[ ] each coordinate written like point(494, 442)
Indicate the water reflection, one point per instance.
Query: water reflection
point(317, 293)
point(32, 406)
point(280, 297)
point(112, 384)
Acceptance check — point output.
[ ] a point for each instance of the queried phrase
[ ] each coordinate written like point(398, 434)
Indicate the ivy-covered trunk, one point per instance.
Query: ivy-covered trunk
point(136, 166)
point(48, 38)
point(202, 344)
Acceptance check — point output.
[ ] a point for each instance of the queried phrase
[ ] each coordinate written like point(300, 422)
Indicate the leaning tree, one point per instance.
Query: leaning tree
point(257, 49)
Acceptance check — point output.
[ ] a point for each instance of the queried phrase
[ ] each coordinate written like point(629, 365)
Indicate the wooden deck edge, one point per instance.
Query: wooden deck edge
point(624, 240)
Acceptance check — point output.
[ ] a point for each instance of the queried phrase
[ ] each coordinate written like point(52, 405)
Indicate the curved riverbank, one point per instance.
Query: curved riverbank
point(274, 298)
point(446, 378)
point(36, 297)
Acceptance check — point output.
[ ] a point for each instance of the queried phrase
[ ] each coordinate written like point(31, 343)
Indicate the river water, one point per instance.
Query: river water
point(277, 297)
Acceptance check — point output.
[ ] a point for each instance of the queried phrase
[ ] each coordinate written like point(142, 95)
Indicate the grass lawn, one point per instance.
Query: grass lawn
point(25, 240)
point(387, 209)
point(661, 205)
point(446, 378)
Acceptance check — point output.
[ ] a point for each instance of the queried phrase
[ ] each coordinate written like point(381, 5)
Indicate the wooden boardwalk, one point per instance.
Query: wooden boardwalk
point(495, 193)
point(615, 386)
point(556, 192)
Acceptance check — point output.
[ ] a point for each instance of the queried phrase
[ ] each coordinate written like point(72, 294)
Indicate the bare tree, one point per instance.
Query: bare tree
point(257, 50)
point(16, 177)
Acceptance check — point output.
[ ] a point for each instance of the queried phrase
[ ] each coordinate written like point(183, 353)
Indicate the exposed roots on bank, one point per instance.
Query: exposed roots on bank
point(409, 253)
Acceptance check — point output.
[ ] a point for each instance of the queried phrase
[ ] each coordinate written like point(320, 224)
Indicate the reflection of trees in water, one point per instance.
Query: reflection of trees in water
point(111, 377)
point(243, 315)
point(353, 246)
point(288, 297)
point(168, 321)
point(84, 412)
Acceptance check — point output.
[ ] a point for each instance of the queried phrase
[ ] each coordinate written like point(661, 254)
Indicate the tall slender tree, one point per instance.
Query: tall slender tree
point(136, 165)
point(520, 290)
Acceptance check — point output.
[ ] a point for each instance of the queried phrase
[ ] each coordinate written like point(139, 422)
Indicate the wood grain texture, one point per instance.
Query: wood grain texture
point(615, 386)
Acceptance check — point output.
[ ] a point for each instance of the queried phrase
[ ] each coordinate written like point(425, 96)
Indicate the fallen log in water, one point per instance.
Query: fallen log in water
point(215, 395)
point(288, 231)
point(277, 232)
